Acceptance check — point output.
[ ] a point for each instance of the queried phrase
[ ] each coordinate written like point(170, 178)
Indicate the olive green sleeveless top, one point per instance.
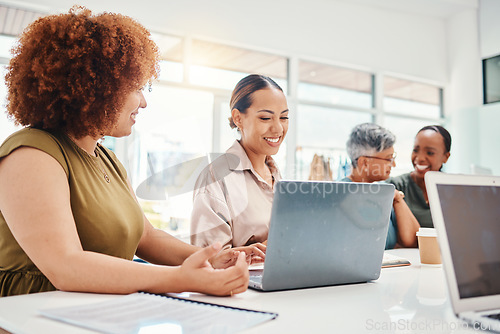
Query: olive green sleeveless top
point(107, 216)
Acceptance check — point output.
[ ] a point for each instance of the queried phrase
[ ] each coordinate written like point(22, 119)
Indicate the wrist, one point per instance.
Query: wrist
point(179, 282)
point(163, 279)
point(211, 260)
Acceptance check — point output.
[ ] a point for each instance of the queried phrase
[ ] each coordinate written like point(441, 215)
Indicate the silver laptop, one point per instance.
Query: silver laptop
point(466, 214)
point(325, 233)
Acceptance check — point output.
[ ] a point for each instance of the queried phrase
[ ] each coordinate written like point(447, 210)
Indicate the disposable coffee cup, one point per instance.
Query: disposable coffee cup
point(428, 246)
point(431, 286)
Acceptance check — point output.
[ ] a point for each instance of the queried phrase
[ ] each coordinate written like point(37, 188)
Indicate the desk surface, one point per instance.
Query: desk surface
point(410, 299)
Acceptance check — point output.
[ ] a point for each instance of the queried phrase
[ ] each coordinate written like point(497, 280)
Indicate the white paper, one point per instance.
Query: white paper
point(390, 260)
point(256, 266)
point(146, 313)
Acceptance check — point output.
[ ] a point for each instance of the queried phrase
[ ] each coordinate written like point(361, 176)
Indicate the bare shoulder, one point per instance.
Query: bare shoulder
point(27, 158)
point(28, 169)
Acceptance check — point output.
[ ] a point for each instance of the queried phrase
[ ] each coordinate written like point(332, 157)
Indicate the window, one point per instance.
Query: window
point(6, 43)
point(410, 98)
point(227, 135)
point(335, 85)
point(14, 20)
point(171, 137)
point(171, 67)
point(405, 130)
point(324, 131)
point(491, 80)
point(332, 100)
point(6, 125)
point(221, 66)
point(423, 103)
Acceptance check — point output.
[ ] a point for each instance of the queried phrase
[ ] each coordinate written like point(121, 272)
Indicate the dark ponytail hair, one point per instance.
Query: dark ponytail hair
point(241, 98)
point(443, 132)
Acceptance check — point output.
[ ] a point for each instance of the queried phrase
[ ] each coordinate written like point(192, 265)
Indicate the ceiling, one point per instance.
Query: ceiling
point(13, 20)
point(434, 8)
point(16, 15)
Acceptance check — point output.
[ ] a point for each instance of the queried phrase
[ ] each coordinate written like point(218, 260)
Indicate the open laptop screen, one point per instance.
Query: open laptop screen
point(472, 217)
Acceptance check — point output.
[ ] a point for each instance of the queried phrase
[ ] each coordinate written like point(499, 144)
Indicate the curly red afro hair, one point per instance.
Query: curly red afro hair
point(72, 72)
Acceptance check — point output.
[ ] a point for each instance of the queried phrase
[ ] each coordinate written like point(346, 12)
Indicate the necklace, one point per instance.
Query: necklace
point(98, 164)
point(101, 167)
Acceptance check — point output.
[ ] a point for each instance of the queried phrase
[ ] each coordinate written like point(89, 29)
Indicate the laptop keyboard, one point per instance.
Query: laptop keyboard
point(494, 316)
point(256, 278)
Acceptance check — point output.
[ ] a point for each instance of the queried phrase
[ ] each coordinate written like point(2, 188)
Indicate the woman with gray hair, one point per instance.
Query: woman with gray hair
point(371, 150)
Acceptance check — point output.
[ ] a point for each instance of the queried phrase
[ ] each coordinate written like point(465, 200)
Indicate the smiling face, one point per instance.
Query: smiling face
point(264, 124)
point(429, 153)
point(126, 118)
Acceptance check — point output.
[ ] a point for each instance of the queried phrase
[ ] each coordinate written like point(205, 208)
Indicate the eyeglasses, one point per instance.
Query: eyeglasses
point(391, 160)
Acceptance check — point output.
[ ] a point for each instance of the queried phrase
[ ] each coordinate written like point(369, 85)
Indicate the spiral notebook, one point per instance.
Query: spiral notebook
point(143, 312)
point(391, 260)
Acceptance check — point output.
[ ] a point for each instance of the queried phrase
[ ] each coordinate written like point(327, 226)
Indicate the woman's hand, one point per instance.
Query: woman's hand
point(255, 253)
point(198, 275)
point(398, 196)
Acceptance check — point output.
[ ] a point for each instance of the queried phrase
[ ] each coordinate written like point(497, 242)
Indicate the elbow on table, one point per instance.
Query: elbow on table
point(408, 242)
point(60, 282)
point(63, 276)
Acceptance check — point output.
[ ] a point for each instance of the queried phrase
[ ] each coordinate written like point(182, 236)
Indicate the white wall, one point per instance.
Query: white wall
point(331, 30)
point(489, 26)
point(475, 127)
point(464, 94)
point(489, 115)
point(339, 31)
point(489, 137)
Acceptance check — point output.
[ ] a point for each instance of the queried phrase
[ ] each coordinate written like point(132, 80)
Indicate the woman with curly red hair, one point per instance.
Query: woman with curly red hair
point(69, 219)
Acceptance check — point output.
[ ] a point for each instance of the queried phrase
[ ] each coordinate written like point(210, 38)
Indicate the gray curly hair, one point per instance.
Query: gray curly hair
point(368, 139)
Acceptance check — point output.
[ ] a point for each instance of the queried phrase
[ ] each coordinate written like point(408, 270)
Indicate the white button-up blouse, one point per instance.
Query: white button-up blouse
point(231, 202)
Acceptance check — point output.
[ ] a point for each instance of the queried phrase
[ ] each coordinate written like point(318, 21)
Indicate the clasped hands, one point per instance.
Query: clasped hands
point(221, 272)
point(254, 253)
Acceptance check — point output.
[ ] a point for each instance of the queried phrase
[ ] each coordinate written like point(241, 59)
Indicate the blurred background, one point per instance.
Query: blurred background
point(403, 64)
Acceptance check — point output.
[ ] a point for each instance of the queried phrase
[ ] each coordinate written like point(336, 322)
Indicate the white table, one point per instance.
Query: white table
point(410, 299)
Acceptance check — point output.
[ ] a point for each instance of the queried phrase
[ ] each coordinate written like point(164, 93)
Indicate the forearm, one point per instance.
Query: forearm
point(407, 224)
point(93, 272)
point(160, 247)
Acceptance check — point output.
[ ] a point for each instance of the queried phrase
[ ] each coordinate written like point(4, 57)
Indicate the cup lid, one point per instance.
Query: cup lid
point(426, 232)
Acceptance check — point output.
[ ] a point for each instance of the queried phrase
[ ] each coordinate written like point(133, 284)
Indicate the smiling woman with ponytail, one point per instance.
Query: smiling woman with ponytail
point(431, 150)
point(234, 194)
